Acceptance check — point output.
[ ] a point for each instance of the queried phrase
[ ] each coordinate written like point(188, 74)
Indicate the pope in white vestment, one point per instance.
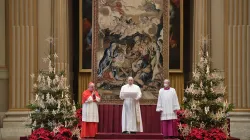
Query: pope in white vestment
point(131, 112)
point(168, 105)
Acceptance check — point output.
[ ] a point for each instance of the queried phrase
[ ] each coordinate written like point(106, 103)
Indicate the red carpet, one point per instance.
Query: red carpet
point(129, 136)
point(129, 139)
point(148, 137)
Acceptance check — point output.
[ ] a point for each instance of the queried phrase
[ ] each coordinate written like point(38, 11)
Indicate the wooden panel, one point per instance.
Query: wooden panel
point(83, 80)
point(177, 82)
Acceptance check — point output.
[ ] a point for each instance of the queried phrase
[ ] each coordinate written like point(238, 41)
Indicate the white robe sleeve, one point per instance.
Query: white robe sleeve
point(121, 95)
point(139, 93)
point(90, 99)
point(176, 105)
point(159, 103)
point(98, 99)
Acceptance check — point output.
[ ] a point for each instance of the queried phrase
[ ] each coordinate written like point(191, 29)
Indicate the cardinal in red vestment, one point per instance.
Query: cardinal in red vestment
point(90, 117)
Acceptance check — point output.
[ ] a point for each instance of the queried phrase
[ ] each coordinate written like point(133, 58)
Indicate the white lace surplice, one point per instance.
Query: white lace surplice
point(167, 103)
point(90, 110)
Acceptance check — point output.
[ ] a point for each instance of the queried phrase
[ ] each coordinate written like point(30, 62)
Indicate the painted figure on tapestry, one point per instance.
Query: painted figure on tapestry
point(90, 116)
point(131, 38)
point(168, 105)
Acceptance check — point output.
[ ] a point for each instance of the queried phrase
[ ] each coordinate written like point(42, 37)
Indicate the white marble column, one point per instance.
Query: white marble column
point(60, 32)
point(237, 64)
point(21, 38)
point(22, 41)
point(237, 52)
point(30, 23)
point(201, 25)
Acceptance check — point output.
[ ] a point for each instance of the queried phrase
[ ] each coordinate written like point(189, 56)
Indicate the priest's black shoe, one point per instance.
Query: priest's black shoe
point(125, 132)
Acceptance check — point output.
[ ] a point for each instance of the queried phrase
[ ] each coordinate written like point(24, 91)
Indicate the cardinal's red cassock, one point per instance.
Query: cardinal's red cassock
point(90, 117)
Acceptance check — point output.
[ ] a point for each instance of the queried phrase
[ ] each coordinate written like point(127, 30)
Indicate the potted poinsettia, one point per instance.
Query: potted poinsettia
point(79, 117)
point(62, 133)
point(41, 134)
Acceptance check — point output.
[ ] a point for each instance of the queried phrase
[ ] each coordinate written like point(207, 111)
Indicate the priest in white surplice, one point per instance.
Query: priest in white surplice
point(168, 105)
point(131, 112)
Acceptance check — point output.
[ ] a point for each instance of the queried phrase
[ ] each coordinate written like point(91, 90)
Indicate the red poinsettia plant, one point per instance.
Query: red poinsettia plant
point(198, 133)
point(79, 117)
point(180, 115)
point(41, 134)
point(216, 134)
point(201, 134)
point(180, 119)
point(63, 134)
point(59, 133)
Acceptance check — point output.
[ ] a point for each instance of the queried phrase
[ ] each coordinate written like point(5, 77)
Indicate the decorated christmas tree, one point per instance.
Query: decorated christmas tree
point(205, 108)
point(52, 109)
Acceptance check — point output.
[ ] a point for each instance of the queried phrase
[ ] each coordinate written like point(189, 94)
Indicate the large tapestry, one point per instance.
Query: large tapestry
point(128, 41)
point(175, 35)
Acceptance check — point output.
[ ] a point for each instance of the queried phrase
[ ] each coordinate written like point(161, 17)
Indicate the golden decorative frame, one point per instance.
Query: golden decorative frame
point(181, 41)
point(165, 50)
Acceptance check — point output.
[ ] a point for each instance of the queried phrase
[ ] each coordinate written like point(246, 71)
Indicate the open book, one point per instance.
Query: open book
point(129, 94)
